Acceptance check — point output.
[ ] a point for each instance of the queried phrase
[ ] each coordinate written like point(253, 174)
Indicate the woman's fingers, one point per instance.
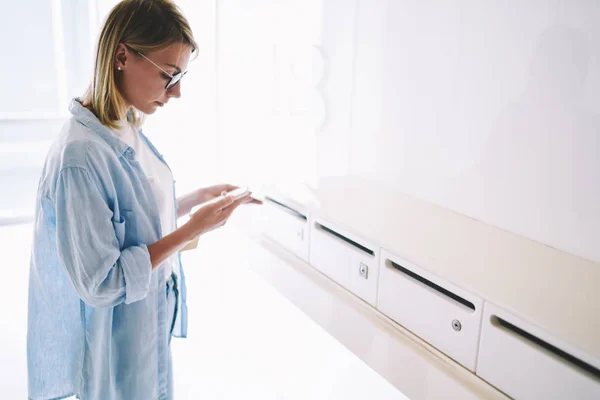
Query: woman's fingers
point(220, 204)
point(225, 188)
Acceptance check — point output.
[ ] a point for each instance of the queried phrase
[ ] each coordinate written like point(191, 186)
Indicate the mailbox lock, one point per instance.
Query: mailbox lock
point(363, 270)
point(456, 325)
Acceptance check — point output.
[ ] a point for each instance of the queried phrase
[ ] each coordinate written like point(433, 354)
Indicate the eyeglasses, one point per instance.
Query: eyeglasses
point(173, 79)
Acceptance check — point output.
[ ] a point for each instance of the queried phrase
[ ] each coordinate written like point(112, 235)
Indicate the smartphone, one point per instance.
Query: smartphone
point(236, 194)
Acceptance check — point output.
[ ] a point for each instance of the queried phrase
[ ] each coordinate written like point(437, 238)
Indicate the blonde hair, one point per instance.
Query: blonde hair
point(145, 26)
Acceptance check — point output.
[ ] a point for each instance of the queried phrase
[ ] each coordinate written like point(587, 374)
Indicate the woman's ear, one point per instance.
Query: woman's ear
point(121, 56)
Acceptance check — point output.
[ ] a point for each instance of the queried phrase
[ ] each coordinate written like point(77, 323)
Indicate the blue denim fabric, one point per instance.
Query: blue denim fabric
point(97, 312)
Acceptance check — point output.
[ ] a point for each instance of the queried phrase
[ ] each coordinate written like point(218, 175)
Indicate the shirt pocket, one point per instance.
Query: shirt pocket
point(131, 231)
point(119, 226)
point(126, 229)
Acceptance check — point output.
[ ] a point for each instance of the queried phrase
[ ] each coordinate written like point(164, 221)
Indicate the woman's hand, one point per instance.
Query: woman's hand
point(202, 195)
point(212, 215)
point(209, 216)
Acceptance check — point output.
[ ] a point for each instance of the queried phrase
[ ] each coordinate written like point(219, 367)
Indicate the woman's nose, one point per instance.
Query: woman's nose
point(175, 91)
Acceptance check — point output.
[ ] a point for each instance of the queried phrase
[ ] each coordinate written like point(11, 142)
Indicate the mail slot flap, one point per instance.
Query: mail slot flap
point(526, 362)
point(439, 312)
point(287, 226)
point(345, 257)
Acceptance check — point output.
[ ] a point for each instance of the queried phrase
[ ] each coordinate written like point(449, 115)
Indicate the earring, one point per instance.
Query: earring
point(119, 68)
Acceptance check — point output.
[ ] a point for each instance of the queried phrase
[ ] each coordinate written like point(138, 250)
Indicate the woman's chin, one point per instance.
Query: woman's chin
point(149, 109)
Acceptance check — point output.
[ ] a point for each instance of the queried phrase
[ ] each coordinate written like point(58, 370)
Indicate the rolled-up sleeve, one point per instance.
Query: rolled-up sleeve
point(103, 275)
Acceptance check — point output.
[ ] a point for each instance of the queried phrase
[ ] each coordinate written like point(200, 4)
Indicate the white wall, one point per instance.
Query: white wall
point(268, 102)
point(489, 108)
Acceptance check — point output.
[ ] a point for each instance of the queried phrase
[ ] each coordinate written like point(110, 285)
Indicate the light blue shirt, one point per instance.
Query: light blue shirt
point(97, 312)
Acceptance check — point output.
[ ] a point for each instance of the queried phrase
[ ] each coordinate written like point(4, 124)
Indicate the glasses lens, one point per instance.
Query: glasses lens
point(175, 80)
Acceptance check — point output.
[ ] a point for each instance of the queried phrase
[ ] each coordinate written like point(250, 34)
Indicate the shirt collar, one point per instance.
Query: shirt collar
point(88, 119)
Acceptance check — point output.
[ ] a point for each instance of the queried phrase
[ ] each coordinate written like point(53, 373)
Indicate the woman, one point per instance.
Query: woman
point(106, 289)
